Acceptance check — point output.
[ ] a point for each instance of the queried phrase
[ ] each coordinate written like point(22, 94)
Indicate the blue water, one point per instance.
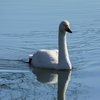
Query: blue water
point(27, 26)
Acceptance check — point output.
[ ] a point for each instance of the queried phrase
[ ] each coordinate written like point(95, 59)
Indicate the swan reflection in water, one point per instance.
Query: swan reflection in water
point(49, 76)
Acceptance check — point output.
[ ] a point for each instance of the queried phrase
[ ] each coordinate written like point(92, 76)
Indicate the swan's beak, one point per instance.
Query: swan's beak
point(67, 28)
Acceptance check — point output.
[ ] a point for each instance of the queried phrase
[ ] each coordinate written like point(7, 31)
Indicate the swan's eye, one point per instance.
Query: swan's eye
point(63, 24)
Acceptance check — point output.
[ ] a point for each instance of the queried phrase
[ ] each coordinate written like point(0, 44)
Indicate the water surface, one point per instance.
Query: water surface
point(27, 26)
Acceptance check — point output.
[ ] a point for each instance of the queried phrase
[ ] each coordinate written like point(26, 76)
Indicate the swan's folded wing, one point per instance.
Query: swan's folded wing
point(45, 58)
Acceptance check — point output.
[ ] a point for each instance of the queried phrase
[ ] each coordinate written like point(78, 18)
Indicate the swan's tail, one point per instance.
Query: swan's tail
point(30, 58)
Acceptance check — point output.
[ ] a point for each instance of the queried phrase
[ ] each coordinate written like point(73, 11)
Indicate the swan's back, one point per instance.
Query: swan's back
point(45, 59)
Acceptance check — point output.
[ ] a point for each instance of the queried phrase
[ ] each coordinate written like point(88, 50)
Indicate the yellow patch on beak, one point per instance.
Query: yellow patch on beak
point(67, 27)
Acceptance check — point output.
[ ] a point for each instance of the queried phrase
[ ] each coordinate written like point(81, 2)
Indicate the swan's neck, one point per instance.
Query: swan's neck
point(63, 51)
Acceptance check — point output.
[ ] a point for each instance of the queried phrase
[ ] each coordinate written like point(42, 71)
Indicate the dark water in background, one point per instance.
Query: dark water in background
point(27, 26)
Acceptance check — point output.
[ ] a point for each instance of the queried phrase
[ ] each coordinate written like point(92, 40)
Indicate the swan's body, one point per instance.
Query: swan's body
point(56, 59)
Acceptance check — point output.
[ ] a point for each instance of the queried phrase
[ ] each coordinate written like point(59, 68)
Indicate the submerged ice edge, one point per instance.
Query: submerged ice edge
point(13, 70)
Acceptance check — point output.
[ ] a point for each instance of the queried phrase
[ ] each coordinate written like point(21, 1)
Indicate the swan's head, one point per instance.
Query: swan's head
point(64, 27)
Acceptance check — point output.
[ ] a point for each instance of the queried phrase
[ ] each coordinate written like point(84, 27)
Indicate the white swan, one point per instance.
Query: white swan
point(56, 59)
